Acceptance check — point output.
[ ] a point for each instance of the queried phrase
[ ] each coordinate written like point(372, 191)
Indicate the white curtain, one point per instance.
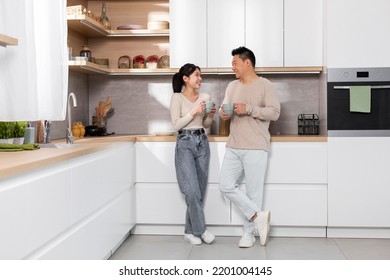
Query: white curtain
point(34, 74)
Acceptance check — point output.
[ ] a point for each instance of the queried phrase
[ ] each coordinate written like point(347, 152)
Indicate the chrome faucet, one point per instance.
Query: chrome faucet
point(69, 134)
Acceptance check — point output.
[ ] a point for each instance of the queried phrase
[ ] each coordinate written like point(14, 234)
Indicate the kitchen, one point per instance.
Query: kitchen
point(299, 164)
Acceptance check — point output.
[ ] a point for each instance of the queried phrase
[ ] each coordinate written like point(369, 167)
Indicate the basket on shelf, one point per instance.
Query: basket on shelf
point(308, 124)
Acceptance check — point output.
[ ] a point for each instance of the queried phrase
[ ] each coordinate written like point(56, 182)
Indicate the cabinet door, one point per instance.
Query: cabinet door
point(358, 33)
point(303, 33)
point(163, 203)
point(264, 31)
point(188, 32)
point(226, 30)
point(34, 208)
point(358, 191)
point(292, 205)
point(155, 162)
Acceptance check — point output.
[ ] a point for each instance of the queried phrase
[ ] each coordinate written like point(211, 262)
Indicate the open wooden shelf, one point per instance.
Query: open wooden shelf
point(8, 41)
point(92, 68)
point(91, 28)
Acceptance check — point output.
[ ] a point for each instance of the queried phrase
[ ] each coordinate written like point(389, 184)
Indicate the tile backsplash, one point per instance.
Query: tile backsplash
point(141, 103)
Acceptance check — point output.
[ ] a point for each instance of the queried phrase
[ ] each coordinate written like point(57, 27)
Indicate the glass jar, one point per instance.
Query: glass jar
point(86, 52)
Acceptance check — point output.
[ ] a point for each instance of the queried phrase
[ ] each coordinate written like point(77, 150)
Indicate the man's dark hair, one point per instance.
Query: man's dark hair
point(245, 53)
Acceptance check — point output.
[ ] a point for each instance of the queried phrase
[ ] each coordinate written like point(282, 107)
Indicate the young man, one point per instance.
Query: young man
point(255, 105)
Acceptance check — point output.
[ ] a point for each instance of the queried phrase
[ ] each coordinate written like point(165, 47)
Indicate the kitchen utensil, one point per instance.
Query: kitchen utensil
point(94, 130)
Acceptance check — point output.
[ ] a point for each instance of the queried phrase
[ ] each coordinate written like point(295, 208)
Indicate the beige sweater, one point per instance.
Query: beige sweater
point(181, 112)
point(251, 131)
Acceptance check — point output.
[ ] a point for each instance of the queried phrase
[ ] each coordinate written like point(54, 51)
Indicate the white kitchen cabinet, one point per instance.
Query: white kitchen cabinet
point(358, 33)
point(164, 204)
point(280, 33)
point(303, 33)
point(225, 30)
point(77, 209)
point(295, 189)
point(264, 31)
point(159, 200)
point(187, 39)
point(34, 208)
point(358, 192)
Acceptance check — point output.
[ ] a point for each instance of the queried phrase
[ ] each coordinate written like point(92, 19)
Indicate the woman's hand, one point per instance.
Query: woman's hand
point(212, 112)
point(198, 109)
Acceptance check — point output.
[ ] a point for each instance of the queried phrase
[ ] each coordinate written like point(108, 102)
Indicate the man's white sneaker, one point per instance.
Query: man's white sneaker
point(192, 239)
point(247, 240)
point(208, 237)
point(263, 226)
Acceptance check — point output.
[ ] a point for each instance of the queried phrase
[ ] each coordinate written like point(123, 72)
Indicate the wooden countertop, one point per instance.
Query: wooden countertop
point(217, 138)
point(13, 163)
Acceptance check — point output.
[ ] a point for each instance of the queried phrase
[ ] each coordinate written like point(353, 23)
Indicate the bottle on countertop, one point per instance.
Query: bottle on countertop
point(86, 52)
point(104, 17)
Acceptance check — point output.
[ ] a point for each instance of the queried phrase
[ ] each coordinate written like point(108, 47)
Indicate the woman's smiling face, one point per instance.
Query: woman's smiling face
point(194, 80)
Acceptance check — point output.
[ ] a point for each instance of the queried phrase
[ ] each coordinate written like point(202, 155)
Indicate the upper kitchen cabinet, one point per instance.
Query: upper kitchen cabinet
point(188, 32)
point(303, 24)
point(131, 34)
point(285, 35)
point(264, 31)
point(225, 30)
point(358, 33)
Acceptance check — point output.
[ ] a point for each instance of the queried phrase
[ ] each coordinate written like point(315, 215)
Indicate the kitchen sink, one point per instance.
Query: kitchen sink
point(59, 145)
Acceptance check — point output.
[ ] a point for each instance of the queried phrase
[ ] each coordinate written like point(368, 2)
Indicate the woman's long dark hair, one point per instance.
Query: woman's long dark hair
point(186, 70)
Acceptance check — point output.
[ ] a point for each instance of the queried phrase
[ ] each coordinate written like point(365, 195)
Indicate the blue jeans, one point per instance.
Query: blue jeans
point(192, 158)
point(253, 165)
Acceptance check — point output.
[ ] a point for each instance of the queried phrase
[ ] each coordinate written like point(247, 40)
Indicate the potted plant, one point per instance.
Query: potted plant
point(7, 132)
point(19, 129)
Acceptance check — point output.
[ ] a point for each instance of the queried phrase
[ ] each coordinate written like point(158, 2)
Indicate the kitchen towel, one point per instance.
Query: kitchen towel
point(4, 147)
point(360, 99)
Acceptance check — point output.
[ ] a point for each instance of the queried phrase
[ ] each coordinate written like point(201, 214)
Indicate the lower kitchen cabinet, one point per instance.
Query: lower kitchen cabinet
point(295, 190)
point(34, 208)
point(164, 204)
point(76, 209)
point(359, 187)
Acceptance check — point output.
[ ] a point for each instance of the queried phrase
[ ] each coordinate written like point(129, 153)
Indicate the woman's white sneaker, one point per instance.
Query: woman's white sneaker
point(247, 240)
point(192, 239)
point(208, 237)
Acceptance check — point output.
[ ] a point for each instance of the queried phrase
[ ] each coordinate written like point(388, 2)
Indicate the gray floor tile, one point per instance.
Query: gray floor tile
point(365, 249)
point(226, 248)
point(152, 247)
point(303, 249)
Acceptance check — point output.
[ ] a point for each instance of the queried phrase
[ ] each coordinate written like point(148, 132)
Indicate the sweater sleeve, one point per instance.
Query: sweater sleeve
point(270, 110)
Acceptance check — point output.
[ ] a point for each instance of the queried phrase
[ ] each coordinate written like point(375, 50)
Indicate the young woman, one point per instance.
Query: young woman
point(192, 153)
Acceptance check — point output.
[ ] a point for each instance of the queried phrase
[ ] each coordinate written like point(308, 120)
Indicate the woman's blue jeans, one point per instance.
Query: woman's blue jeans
point(192, 158)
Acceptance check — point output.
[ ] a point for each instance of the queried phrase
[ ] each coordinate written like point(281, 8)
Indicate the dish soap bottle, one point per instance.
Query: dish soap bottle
point(104, 17)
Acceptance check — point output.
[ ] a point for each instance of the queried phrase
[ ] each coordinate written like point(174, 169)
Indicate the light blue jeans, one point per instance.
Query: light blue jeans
point(192, 158)
point(252, 165)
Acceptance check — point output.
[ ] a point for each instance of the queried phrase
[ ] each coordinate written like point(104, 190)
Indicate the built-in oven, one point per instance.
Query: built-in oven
point(344, 85)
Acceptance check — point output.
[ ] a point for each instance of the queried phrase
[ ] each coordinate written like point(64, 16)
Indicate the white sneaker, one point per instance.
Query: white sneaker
point(192, 239)
point(247, 240)
point(263, 226)
point(208, 237)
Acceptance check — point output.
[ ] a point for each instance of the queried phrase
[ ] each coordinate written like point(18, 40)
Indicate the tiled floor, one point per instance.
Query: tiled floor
point(153, 247)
